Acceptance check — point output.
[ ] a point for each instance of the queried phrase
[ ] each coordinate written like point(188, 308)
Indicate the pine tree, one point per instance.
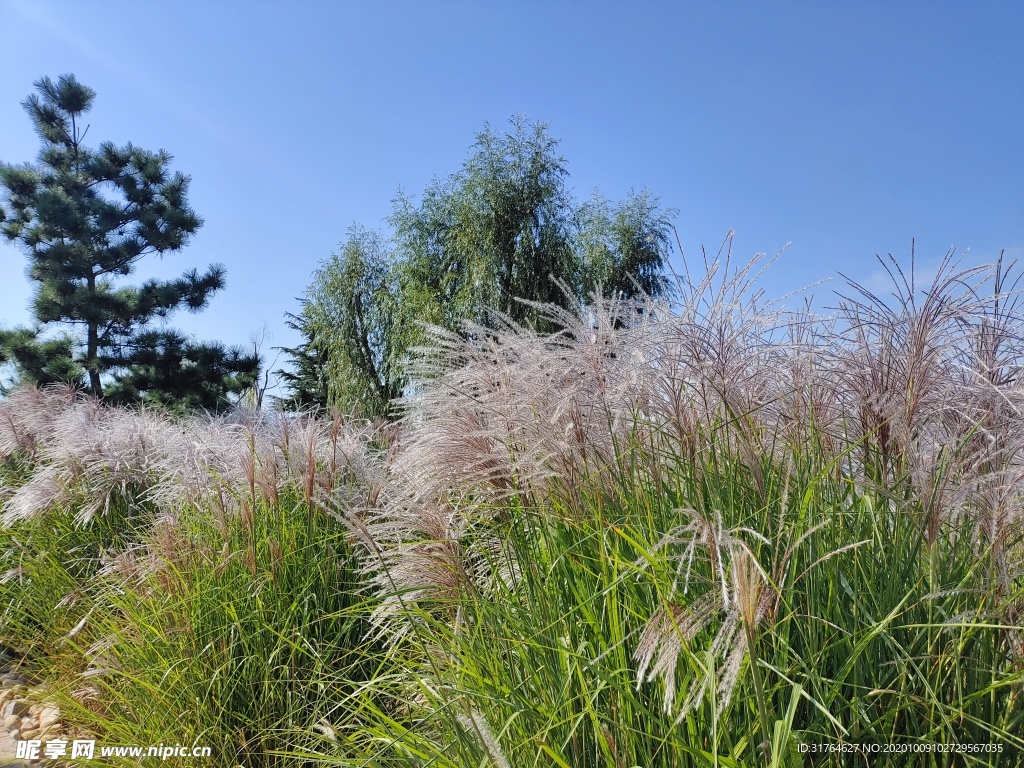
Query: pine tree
point(41, 361)
point(307, 382)
point(85, 218)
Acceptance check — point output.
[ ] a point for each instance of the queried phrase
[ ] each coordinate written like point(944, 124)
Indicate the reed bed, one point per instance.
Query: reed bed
point(707, 532)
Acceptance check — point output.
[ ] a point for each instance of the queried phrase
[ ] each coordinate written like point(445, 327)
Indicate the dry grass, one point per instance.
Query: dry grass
point(84, 456)
point(713, 495)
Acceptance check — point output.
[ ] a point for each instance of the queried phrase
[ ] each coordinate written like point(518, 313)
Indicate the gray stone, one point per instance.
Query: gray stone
point(12, 722)
point(17, 707)
point(48, 716)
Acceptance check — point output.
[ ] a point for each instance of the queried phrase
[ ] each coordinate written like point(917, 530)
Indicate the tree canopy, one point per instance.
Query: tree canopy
point(353, 318)
point(306, 382)
point(502, 229)
point(498, 229)
point(85, 218)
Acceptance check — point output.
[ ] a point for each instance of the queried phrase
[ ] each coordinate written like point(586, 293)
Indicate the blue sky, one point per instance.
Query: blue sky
point(845, 129)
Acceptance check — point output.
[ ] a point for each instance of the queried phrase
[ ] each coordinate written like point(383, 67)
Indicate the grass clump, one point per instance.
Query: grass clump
point(712, 533)
point(217, 608)
point(253, 626)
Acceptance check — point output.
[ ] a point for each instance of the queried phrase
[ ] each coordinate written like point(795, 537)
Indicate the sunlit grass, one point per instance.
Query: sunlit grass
point(710, 534)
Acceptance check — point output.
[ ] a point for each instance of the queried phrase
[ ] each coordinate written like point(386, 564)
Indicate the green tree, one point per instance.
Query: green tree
point(182, 374)
point(85, 218)
point(306, 382)
point(499, 229)
point(624, 245)
point(503, 228)
point(50, 361)
point(350, 312)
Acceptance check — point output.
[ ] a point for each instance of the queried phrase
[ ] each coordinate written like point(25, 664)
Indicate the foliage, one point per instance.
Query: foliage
point(493, 240)
point(259, 640)
point(497, 230)
point(307, 382)
point(205, 580)
point(709, 536)
point(352, 311)
point(182, 374)
point(85, 218)
point(42, 361)
point(624, 246)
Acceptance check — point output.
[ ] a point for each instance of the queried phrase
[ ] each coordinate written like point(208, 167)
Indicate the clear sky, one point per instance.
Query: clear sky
point(845, 129)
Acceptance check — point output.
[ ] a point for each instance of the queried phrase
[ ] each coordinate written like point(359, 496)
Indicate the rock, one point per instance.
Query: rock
point(4, 696)
point(48, 716)
point(12, 679)
point(12, 722)
point(29, 733)
point(16, 707)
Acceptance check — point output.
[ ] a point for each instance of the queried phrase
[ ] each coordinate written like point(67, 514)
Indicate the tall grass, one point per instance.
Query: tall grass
point(712, 533)
point(213, 605)
point(255, 640)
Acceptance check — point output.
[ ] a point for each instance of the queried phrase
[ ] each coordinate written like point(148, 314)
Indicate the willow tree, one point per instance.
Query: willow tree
point(355, 332)
point(624, 246)
point(499, 229)
point(501, 233)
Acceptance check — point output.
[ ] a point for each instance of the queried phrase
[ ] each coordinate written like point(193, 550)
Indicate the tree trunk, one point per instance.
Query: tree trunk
point(92, 347)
